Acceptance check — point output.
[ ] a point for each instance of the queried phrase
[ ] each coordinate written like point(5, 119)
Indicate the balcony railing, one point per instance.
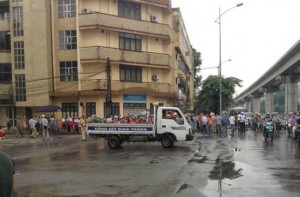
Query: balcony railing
point(114, 54)
point(148, 88)
point(115, 23)
point(99, 87)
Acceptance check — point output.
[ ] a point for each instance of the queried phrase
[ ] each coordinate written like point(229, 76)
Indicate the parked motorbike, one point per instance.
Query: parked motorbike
point(297, 135)
point(269, 131)
point(247, 124)
point(294, 131)
point(289, 129)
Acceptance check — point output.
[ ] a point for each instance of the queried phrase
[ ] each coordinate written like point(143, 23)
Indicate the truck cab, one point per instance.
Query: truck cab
point(172, 122)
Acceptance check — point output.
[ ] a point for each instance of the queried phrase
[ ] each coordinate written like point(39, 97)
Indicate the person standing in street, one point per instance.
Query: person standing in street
point(232, 124)
point(7, 176)
point(44, 122)
point(219, 125)
point(32, 124)
point(83, 127)
point(53, 127)
point(242, 120)
point(209, 126)
point(255, 121)
point(38, 124)
point(225, 122)
point(204, 125)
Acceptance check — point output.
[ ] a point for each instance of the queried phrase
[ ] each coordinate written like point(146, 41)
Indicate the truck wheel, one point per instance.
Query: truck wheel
point(167, 141)
point(113, 142)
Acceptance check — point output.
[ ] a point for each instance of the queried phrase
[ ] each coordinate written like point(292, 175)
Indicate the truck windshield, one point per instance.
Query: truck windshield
point(173, 114)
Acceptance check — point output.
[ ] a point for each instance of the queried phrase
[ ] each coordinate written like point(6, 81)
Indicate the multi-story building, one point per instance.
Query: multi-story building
point(84, 54)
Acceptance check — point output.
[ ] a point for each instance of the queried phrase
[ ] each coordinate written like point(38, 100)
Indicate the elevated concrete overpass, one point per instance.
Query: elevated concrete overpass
point(285, 71)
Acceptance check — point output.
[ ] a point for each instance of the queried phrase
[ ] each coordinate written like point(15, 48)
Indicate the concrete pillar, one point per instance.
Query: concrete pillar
point(256, 104)
point(291, 94)
point(249, 105)
point(269, 105)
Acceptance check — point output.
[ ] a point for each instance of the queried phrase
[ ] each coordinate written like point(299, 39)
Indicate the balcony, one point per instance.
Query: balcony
point(119, 88)
point(6, 95)
point(115, 23)
point(5, 56)
point(4, 24)
point(88, 54)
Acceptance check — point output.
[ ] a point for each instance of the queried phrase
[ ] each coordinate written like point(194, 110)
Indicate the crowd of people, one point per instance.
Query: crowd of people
point(211, 123)
point(45, 125)
point(207, 124)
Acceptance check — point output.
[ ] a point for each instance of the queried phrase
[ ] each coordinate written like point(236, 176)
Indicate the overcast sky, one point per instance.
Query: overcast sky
point(255, 36)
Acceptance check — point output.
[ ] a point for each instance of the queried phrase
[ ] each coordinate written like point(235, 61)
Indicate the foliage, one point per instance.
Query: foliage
point(197, 64)
point(208, 99)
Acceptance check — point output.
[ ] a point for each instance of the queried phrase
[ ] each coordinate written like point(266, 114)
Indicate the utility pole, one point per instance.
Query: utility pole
point(108, 101)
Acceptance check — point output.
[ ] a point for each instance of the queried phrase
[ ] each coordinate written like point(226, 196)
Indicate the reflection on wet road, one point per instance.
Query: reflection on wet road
point(249, 166)
point(242, 166)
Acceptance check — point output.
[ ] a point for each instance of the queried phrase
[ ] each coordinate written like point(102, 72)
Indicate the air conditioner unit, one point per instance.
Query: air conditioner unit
point(153, 19)
point(155, 77)
point(86, 10)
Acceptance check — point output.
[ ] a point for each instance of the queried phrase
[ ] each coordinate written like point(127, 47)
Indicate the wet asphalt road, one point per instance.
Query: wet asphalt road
point(242, 166)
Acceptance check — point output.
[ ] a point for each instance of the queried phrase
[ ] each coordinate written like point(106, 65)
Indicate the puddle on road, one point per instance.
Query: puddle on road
point(198, 159)
point(183, 187)
point(223, 170)
point(228, 176)
point(246, 182)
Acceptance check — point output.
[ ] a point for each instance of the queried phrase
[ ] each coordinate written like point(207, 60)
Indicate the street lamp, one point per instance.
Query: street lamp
point(212, 67)
point(218, 20)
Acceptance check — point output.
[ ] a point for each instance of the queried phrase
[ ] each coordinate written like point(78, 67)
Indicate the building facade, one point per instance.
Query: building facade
point(93, 57)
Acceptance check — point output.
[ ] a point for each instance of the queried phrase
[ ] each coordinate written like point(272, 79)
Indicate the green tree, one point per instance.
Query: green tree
point(197, 64)
point(208, 99)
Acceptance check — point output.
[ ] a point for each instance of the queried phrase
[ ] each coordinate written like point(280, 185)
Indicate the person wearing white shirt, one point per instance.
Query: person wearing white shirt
point(44, 122)
point(32, 122)
point(204, 124)
point(232, 125)
point(242, 119)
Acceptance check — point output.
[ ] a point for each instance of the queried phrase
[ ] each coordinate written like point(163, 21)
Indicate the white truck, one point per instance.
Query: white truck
point(166, 129)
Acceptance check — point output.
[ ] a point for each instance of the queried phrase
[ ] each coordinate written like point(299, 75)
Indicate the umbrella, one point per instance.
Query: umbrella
point(49, 108)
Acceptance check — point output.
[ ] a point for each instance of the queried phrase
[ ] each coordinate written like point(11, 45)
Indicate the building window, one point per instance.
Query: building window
point(68, 71)
point(115, 108)
point(90, 109)
point(67, 40)
point(130, 73)
point(131, 42)
point(66, 8)
point(5, 73)
point(4, 41)
point(17, 0)
point(18, 21)
point(20, 87)
point(70, 110)
point(19, 55)
point(129, 10)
